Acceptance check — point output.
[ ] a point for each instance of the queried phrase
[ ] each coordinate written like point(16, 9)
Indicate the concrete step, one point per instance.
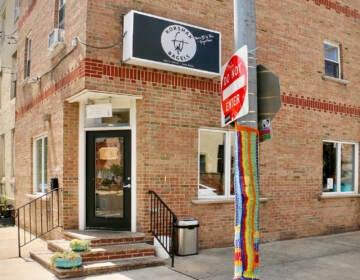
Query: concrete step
point(101, 237)
point(106, 252)
point(96, 267)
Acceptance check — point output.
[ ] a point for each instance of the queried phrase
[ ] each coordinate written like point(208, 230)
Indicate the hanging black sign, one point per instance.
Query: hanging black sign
point(161, 43)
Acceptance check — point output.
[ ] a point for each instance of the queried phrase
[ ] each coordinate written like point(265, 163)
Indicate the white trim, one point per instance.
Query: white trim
point(82, 166)
point(336, 45)
point(133, 164)
point(87, 94)
point(227, 165)
point(130, 100)
point(337, 80)
point(34, 164)
point(338, 192)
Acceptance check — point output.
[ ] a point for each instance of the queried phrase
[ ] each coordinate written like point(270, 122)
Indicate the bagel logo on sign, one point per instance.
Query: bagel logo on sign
point(178, 43)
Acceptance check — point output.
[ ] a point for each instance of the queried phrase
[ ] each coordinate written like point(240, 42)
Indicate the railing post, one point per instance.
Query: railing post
point(151, 210)
point(173, 241)
point(49, 210)
point(17, 211)
point(162, 224)
point(58, 207)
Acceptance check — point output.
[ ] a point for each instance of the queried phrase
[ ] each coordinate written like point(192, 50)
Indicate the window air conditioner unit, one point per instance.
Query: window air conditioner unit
point(55, 37)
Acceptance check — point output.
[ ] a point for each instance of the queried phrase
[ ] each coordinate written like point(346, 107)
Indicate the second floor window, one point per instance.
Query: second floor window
point(61, 14)
point(332, 60)
point(27, 56)
point(13, 77)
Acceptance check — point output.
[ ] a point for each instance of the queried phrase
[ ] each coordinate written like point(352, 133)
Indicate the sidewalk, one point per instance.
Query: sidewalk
point(316, 258)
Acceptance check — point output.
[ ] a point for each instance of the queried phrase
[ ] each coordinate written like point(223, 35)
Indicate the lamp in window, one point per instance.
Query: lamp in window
point(108, 153)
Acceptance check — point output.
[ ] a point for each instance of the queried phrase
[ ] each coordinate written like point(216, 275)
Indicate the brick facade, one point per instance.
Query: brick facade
point(174, 106)
point(314, 109)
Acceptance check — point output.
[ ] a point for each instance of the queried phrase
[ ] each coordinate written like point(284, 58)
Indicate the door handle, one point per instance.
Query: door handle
point(128, 186)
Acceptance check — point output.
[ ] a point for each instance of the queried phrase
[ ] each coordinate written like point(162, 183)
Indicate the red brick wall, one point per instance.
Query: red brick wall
point(60, 76)
point(172, 109)
point(290, 42)
point(174, 106)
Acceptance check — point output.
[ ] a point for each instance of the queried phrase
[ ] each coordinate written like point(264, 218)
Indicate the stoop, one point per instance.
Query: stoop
point(110, 251)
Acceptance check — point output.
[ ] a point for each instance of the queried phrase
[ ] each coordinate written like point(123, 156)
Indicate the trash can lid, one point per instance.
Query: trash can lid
point(188, 222)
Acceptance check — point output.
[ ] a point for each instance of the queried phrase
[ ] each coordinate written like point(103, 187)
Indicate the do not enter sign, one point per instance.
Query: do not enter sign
point(234, 87)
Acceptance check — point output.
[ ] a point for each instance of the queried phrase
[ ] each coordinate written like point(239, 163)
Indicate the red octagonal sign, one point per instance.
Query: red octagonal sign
point(234, 87)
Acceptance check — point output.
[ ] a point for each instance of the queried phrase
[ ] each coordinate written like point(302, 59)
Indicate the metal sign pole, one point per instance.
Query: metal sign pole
point(246, 237)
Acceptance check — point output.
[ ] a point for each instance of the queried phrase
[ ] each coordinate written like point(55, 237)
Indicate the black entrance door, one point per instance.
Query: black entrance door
point(108, 179)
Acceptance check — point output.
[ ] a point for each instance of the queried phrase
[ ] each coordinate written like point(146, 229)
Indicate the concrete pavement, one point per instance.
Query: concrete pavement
point(316, 258)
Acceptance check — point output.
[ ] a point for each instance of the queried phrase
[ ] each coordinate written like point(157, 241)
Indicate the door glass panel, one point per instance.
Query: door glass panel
point(109, 170)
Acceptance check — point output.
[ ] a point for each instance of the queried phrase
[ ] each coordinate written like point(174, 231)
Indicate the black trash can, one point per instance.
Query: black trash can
point(187, 237)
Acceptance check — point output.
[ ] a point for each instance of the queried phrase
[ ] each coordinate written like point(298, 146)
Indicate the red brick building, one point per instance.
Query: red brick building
point(164, 132)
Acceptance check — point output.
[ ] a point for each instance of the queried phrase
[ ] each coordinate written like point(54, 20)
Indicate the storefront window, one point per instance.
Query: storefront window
point(340, 167)
point(216, 150)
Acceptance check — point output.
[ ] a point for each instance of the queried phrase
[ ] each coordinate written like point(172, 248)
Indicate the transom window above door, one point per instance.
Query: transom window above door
point(119, 117)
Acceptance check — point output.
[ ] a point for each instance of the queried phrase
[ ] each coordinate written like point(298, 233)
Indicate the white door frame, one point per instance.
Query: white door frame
point(119, 101)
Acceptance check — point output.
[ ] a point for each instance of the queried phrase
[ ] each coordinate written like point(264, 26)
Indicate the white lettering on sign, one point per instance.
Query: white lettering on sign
point(233, 101)
point(233, 75)
point(236, 85)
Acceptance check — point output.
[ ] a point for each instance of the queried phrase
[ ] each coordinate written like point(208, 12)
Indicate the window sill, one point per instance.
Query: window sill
point(337, 80)
point(221, 200)
point(337, 195)
point(213, 200)
point(34, 195)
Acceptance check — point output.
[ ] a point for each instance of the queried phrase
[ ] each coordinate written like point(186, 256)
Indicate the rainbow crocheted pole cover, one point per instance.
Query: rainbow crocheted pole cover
point(246, 184)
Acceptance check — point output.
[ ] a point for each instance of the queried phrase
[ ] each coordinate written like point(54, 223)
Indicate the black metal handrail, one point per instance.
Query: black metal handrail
point(162, 224)
point(34, 219)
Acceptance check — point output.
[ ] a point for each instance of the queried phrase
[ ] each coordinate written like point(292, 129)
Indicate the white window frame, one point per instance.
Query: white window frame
point(338, 168)
point(227, 164)
point(337, 46)
point(44, 186)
